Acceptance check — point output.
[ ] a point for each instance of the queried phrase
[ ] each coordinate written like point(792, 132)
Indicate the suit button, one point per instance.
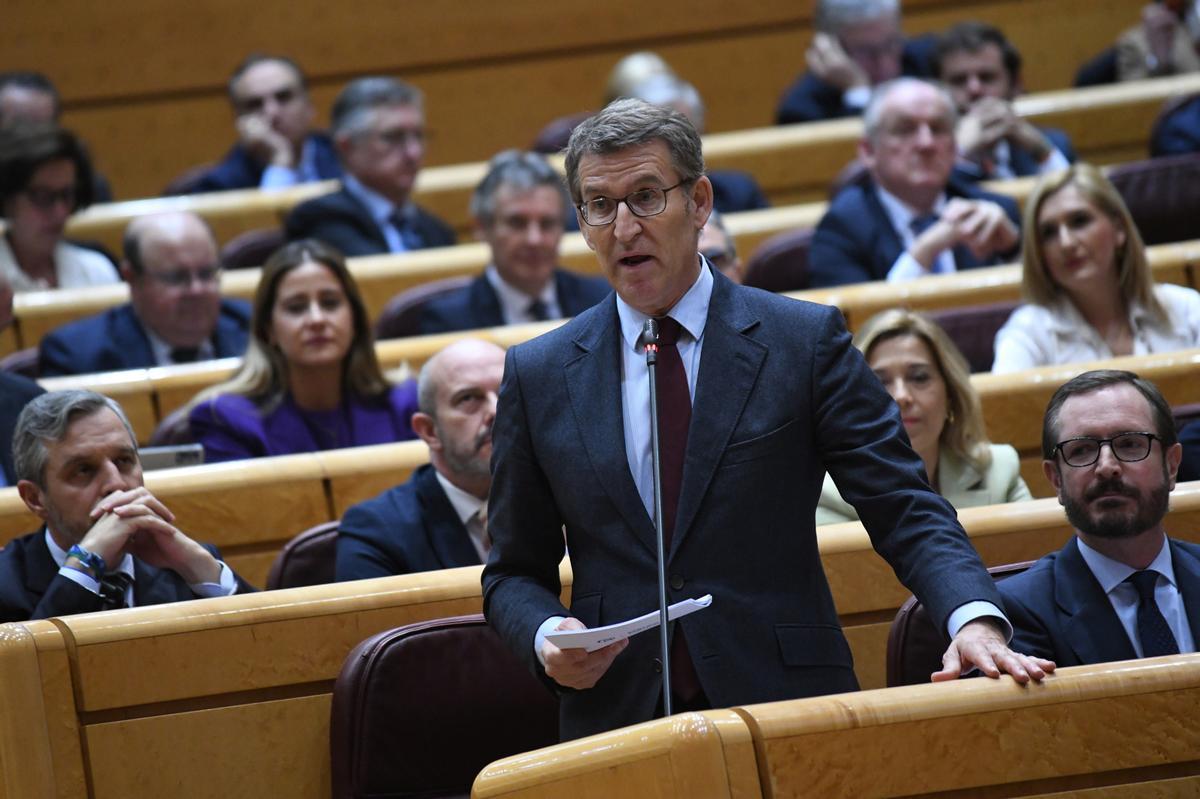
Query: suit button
point(677, 581)
point(657, 666)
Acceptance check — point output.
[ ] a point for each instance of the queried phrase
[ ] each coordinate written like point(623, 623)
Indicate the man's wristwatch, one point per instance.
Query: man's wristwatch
point(90, 561)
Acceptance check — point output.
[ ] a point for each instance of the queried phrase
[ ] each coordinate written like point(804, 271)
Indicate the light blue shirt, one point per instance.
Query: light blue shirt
point(381, 210)
point(901, 215)
point(281, 177)
point(1111, 574)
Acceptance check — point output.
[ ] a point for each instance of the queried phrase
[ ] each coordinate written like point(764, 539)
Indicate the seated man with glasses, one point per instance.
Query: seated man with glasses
point(718, 246)
point(1120, 589)
point(175, 313)
point(378, 127)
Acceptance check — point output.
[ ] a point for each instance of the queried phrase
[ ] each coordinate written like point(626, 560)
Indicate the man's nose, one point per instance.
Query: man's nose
point(627, 224)
point(1107, 463)
point(112, 479)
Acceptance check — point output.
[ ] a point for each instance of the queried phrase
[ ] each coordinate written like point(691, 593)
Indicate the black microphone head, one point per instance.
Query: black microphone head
point(649, 336)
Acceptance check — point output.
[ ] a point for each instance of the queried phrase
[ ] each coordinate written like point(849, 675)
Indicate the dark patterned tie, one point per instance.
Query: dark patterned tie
point(674, 418)
point(920, 224)
point(1153, 630)
point(185, 354)
point(408, 234)
point(112, 590)
point(538, 311)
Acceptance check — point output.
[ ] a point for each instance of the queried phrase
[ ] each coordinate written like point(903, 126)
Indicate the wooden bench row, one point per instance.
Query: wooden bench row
point(793, 164)
point(493, 75)
point(73, 716)
point(1112, 730)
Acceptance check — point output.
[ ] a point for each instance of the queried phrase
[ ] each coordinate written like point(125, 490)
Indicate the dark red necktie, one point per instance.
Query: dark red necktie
point(674, 418)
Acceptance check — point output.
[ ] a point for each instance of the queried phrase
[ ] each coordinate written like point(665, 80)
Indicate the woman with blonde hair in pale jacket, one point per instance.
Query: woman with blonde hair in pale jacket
point(929, 378)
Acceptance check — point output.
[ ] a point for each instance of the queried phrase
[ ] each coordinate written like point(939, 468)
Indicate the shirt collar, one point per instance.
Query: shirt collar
point(162, 350)
point(465, 505)
point(900, 213)
point(515, 302)
point(379, 207)
point(60, 556)
point(1111, 573)
point(691, 312)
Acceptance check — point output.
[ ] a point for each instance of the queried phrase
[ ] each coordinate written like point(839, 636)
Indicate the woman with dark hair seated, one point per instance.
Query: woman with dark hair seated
point(929, 378)
point(45, 176)
point(309, 379)
point(1088, 282)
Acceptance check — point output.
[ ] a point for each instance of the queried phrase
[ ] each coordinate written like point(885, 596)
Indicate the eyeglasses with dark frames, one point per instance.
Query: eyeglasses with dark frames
point(1125, 447)
point(641, 203)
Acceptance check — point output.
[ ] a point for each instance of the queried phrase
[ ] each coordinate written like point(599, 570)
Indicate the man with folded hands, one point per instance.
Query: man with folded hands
point(106, 541)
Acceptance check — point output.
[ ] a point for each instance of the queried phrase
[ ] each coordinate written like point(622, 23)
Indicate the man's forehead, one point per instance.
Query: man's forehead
point(266, 77)
point(96, 432)
point(164, 248)
point(987, 56)
point(1110, 409)
point(647, 160)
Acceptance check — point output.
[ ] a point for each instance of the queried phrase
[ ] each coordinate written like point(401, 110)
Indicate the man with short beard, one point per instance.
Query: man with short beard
point(1120, 589)
point(438, 519)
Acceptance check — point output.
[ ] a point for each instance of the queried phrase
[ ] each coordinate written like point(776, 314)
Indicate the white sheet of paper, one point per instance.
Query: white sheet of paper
point(598, 637)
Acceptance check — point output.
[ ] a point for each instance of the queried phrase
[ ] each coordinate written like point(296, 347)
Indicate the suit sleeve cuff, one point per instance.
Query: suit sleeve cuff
point(978, 609)
point(858, 97)
point(906, 268)
point(278, 177)
point(81, 578)
point(225, 585)
point(539, 637)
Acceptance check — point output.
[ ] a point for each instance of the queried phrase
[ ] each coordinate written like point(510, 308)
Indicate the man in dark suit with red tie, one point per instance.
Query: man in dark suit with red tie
point(759, 395)
point(1121, 589)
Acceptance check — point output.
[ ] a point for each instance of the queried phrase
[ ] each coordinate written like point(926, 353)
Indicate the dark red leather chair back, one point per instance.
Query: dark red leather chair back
point(973, 330)
point(308, 559)
point(418, 711)
point(401, 317)
point(252, 248)
point(1163, 195)
point(781, 262)
point(915, 646)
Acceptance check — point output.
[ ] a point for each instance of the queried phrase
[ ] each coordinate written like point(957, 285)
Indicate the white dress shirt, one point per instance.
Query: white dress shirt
point(471, 511)
point(514, 303)
point(901, 215)
point(381, 210)
point(305, 171)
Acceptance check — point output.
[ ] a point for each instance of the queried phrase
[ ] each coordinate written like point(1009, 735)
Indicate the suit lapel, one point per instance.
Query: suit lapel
point(593, 376)
point(40, 567)
point(485, 305)
point(1092, 628)
point(729, 366)
point(1187, 577)
point(449, 539)
point(130, 339)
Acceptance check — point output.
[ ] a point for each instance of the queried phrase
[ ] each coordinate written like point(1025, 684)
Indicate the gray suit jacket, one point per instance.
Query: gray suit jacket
point(781, 396)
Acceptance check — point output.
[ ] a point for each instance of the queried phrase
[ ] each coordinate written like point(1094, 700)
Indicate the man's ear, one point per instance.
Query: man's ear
point(423, 425)
point(1174, 456)
point(126, 270)
point(702, 200)
point(866, 152)
point(34, 498)
point(1054, 475)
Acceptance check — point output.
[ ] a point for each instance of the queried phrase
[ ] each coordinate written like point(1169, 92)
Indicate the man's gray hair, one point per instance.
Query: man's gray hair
point(520, 170)
point(873, 113)
point(669, 90)
point(628, 123)
point(46, 418)
point(354, 104)
point(834, 16)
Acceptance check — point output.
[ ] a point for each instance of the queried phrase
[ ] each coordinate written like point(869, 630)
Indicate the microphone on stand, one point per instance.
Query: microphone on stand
point(649, 340)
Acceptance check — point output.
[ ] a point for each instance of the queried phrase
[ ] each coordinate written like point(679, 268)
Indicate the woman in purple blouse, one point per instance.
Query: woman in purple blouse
point(309, 380)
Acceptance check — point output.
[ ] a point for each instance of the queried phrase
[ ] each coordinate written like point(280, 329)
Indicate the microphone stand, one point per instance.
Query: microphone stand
point(649, 340)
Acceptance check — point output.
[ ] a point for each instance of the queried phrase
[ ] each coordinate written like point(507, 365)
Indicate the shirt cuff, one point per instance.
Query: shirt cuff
point(906, 267)
point(82, 578)
point(539, 637)
point(1055, 162)
point(279, 177)
point(978, 609)
point(225, 585)
point(858, 97)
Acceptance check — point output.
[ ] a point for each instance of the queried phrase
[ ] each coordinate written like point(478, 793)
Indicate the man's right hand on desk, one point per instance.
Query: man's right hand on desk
point(578, 668)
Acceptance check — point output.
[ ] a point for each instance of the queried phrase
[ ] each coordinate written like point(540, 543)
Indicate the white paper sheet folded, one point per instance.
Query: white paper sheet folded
point(598, 637)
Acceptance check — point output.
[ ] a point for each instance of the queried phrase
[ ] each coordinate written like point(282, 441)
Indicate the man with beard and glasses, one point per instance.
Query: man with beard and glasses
point(1121, 589)
point(438, 519)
